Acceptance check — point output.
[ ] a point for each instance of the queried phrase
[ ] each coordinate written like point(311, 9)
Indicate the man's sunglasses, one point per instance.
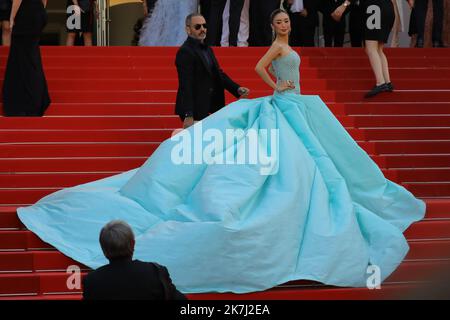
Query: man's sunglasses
point(198, 26)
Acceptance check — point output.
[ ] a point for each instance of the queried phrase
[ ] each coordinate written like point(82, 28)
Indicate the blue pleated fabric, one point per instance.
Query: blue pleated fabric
point(323, 211)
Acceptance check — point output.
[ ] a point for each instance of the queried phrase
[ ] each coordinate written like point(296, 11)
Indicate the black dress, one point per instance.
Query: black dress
point(5, 9)
point(387, 14)
point(25, 90)
point(87, 17)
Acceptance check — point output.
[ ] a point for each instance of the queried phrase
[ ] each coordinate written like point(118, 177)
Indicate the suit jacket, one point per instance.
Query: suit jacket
point(327, 7)
point(200, 87)
point(129, 280)
point(312, 19)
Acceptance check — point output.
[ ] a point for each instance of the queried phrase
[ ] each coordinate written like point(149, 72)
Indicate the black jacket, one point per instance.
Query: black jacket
point(129, 280)
point(200, 88)
point(312, 6)
point(327, 7)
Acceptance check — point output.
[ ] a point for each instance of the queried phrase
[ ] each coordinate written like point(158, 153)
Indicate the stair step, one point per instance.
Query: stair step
point(86, 123)
point(418, 174)
point(413, 161)
point(126, 149)
point(428, 189)
point(242, 60)
point(56, 282)
point(405, 134)
point(107, 135)
point(371, 107)
point(253, 83)
point(49, 180)
point(71, 164)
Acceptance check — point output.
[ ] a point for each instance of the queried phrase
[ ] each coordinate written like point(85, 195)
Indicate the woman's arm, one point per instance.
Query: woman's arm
point(265, 61)
point(144, 3)
point(15, 7)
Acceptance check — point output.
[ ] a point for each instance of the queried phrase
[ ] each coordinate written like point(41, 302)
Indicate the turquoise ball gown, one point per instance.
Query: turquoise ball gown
point(320, 210)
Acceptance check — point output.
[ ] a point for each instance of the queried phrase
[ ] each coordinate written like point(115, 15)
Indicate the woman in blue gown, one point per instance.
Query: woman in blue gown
point(321, 210)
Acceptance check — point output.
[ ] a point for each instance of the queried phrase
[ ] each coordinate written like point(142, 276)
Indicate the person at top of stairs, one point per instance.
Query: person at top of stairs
point(85, 11)
point(25, 90)
point(5, 14)
point(378, 22)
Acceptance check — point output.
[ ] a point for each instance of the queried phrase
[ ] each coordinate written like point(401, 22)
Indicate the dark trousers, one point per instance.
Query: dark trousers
point(421, 8)
point(205, 8)
point(303, 29)
point(260, 24)
point(356, 26)
point(215, 21)
point(333, 31)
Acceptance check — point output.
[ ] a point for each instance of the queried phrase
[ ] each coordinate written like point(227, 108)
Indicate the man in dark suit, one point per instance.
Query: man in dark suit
point(260, 24)
point(304, 23)
point(356, 24)
point(201, 82)
point(421, 8)
point(124, 278)
point(334, 12)
point(215, 21)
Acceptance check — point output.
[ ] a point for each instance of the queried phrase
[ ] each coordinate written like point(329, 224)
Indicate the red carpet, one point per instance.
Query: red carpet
point(113, 106)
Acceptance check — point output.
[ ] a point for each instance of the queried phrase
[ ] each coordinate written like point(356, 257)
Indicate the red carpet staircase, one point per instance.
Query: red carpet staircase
point(113, 106)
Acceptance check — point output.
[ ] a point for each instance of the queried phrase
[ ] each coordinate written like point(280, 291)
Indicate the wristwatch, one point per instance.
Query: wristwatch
point(346, 4)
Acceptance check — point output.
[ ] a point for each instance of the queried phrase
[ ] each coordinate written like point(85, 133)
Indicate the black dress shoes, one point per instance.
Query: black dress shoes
point(377, 89)
point(389, 86)
point(419, 43)
point(438, 44)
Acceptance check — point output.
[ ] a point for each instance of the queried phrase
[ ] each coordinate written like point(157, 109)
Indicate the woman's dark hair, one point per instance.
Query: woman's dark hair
point(272, 17)
point(275, 13)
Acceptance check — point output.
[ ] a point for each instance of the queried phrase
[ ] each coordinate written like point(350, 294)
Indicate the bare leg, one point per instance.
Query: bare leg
point(87, 39)
point(396, 28)
point(6, 33)
point(70, 38)
point(375, 60)
point(384, 63)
